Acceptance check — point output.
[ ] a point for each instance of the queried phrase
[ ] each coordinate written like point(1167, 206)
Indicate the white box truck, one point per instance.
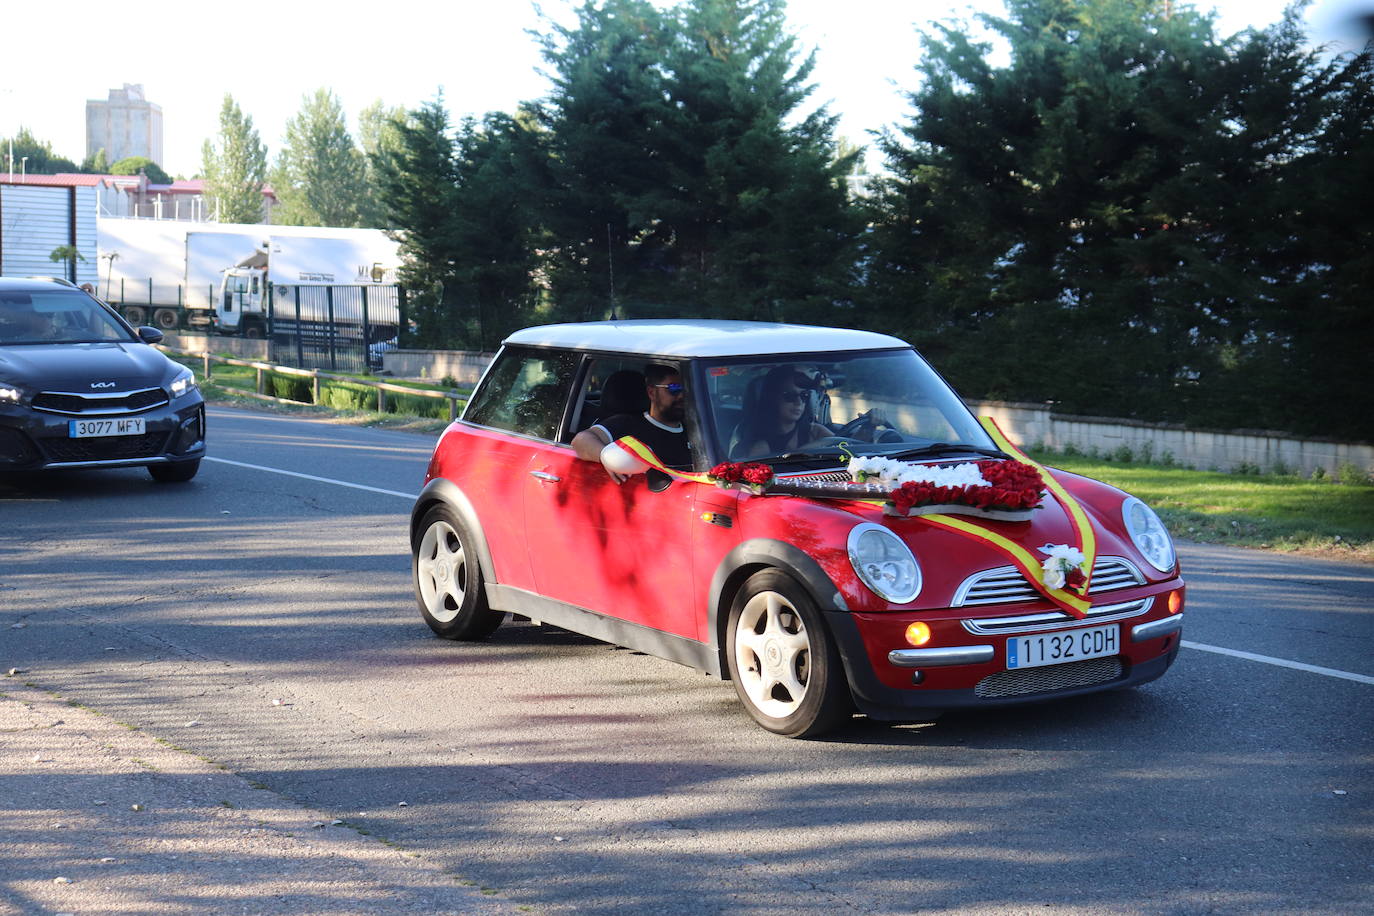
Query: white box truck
point(220, 277)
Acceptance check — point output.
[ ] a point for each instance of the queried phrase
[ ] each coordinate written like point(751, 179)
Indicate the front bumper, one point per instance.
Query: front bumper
point(37, 441)
point(966, 667)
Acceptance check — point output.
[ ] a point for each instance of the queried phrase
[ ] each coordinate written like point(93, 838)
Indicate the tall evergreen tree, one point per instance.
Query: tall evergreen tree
point(418, 179)
point(234, 167)
point(677, 180)
point(320, 176)
point(377, 135)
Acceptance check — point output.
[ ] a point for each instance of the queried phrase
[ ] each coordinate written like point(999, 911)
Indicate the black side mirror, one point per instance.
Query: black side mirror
point(149, 335)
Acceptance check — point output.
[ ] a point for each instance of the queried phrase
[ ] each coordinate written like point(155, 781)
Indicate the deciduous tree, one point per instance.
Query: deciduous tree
point(234, 167)
point(320, 176)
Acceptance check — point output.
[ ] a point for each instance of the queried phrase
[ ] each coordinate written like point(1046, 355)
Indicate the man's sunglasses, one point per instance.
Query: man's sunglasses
point(673, 388)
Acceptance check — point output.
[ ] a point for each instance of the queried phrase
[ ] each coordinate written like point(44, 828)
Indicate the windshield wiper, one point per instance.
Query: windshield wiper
point(823, 455)
point(950, 448)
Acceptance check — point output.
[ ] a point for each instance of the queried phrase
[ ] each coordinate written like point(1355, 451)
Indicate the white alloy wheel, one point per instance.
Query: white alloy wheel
point(442, 571)
point(772, 654)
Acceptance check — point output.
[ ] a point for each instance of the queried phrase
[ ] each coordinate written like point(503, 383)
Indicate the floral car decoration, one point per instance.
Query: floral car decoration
point(912, 561)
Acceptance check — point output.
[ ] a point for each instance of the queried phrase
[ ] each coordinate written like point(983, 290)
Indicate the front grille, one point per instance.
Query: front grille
point(1025, 681)
point(1006, 585)
point(105, 448)
point(825, 477)
point(1055, 620)
point(75, 404)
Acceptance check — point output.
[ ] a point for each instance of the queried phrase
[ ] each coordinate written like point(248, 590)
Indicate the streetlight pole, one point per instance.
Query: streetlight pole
point(24, 168)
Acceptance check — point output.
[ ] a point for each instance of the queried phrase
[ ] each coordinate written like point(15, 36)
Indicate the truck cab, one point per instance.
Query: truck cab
point(242, 303)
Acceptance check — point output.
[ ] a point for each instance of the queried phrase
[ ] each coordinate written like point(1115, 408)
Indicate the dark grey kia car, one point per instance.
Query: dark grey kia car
point(80, 388)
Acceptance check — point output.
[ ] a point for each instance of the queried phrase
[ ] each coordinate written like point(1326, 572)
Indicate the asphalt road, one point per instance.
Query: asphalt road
point(273, 609)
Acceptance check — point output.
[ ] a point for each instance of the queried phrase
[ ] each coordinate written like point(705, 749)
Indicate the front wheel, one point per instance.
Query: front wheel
point(174, 471)
point(448, 579)
point(786, 668)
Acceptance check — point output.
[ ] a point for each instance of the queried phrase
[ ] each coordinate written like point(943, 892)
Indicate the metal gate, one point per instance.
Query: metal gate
point(339, 328)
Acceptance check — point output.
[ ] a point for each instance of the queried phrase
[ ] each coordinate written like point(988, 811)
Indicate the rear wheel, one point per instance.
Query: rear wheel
point(785, 666)
point(135, 315)
point(448, 579)
point(253, 330)
point(175, 471)
point(166, 319)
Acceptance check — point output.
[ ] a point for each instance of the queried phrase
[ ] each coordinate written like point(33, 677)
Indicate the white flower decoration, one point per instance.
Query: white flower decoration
point(1061, 560)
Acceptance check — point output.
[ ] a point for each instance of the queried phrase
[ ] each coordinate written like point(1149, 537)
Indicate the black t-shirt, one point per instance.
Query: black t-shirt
point(668, 443)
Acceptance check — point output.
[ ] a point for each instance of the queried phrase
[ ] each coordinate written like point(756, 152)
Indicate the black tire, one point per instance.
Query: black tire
point(788, 672)
point(253, 330)
point(448, 579)
point(135, 315)
point(166, 319)
point(174, 472)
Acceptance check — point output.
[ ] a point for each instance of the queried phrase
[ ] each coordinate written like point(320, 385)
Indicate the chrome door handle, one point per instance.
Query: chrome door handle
point(545, 476)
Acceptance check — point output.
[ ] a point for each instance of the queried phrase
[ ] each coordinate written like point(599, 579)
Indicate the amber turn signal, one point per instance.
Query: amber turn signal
point(1175, 601)
point(918, 634)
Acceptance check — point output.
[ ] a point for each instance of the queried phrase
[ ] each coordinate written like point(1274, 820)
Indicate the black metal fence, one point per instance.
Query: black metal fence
point(333, 327)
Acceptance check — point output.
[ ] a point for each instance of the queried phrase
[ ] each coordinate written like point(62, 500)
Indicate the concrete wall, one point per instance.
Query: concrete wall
point(1032, 424)
point(463, 366)
point(1036, 424)
point(202, 343)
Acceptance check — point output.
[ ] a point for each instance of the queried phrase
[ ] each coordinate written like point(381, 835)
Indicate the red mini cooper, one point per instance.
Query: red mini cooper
point(830, 527)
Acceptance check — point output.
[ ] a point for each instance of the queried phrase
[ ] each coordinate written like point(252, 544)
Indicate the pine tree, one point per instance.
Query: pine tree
point(234, 168)
point(377, 135)
point(320, 176)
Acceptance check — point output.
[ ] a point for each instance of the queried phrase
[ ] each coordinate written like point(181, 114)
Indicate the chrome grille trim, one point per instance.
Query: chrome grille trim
point(1056, 620)
point(104, 404)
point(1006, 585)
point(1018, 682)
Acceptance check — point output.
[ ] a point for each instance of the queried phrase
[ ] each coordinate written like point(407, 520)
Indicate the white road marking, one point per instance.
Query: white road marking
point(1281, 662)
point(339, 483)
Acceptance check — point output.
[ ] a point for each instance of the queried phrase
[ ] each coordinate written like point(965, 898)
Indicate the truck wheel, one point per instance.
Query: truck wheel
point(253, 330)
point(166, 319)
point(785, 665)
point(135, 315)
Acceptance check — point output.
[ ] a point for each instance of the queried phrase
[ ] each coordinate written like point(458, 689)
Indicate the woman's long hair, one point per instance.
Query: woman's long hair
point(761, 417)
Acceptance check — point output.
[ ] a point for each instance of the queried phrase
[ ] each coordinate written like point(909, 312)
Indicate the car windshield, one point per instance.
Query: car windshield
point(55, 316)
point(888, 403)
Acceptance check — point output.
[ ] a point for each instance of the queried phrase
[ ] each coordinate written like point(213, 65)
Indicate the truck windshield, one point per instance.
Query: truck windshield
point(816, 406)
point(56, 316)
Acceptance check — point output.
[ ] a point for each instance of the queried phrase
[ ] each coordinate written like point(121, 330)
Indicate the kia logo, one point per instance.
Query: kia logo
point(102, 384)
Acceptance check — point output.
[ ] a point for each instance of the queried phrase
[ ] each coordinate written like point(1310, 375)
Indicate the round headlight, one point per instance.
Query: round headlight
point(1148, 534)
point(884, 563)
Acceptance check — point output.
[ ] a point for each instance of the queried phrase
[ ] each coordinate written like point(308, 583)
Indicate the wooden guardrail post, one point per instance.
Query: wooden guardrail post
point(381, 394)
point(452, 405)
point(206, 357)
point(259, 388)
point(314, 386)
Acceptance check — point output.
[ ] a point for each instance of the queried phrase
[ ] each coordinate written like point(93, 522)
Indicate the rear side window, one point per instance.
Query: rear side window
point(525, 392)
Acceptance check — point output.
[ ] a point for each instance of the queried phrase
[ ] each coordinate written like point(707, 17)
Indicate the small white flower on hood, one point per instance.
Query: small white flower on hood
point(1061, 560)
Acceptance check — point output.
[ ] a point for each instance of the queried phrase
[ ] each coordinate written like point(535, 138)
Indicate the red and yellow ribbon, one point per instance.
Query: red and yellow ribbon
point(1030, 567)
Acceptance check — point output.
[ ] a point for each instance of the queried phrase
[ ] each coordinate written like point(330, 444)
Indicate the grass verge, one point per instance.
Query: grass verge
point(1270, 511)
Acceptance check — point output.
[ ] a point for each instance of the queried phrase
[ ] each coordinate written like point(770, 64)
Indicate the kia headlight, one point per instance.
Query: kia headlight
point(1148, 534)
point(9, 395)
point(184, 383)
point(884, 563)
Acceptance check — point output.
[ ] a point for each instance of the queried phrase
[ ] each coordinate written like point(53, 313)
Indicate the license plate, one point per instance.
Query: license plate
point(1058, 648)
point(125, 426)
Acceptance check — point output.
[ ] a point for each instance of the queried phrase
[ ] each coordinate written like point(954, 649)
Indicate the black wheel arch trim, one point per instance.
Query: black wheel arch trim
point(747, 558)
point(446, 493)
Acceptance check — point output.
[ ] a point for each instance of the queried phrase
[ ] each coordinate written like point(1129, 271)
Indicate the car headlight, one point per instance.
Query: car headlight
point(1148, 534)
point(184, 382)
point(884, 563)
point(9, 394)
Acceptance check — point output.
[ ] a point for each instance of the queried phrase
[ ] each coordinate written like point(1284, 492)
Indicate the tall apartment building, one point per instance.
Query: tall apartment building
point(125, 124)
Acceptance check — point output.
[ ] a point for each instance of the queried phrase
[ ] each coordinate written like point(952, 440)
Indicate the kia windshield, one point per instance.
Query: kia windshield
point(57, 316)
point(888, 403)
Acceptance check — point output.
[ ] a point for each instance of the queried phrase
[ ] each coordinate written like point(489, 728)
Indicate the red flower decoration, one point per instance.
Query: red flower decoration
point(1011, 485)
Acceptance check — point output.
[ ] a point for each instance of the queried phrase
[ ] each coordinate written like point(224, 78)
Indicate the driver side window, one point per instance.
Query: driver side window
point(525, 393)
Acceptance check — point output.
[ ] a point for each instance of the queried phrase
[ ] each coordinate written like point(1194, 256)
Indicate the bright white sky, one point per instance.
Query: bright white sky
point(187, 55)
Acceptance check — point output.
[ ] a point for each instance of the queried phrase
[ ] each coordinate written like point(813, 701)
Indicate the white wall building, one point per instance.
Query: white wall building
point(125, 124)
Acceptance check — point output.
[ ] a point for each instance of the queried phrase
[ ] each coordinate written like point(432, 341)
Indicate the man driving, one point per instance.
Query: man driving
point(659, 427)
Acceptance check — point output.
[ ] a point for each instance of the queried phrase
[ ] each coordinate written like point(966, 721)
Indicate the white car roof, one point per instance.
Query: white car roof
point(701, 338)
